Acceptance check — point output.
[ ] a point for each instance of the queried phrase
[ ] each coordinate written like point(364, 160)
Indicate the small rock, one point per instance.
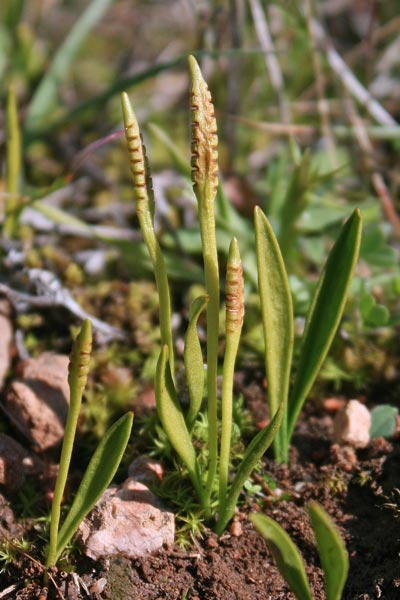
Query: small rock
point(128, 521)
point(49, 368)
point(9, 527)
point(98, 586)
point(37, 403)
point(6, 337)
point(236, 529)
point(334, 404)
point(146, 470)
point(211, 542)
point(15, 463)
point(352, 424)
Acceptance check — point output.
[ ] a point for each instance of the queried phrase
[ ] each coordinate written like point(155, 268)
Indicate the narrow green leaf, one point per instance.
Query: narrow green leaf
point(45, 97)
point(277, 316)
point(254, 452)
point(331, 550)
point(325, 313)
point(172, 419)
point(193, 358)
point(97, 478)
point(286, 555)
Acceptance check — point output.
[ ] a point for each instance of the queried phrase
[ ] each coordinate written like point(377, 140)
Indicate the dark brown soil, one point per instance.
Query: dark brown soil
point(353, 489)
point(358, 489)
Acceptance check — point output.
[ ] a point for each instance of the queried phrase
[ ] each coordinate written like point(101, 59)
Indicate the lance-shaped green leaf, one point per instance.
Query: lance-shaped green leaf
point(286, 555)
point(193, 358)
point(254, 452)
point(98, 476)
point(277, 316)
point(205, 182)
point(172, 419)
point(331, 549)
point(325, 313)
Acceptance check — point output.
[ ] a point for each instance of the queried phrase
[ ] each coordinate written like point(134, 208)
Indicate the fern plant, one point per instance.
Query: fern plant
point(216, 489)
point(103, 464)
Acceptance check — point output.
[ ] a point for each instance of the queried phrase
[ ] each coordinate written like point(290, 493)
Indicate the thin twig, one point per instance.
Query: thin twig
point(377, 36)
point(267, 45)
point(376, 178)
point(349, 80)
point(236, 18)
point(323, 105)
point(375, 132)
point(358, 51)
point(8, 590)
point(51, 293)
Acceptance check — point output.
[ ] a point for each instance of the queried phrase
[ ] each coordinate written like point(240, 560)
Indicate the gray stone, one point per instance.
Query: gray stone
point(15, 463)
point(128, 520)
point(37, 403)
point(352, 424)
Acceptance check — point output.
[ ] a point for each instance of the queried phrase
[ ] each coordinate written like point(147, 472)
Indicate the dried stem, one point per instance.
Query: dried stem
point(323, 105)
point(274, 69)
point(349, 80)
point(376, 178)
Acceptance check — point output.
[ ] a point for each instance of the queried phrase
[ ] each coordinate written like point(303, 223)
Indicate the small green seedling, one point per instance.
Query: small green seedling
point(103, 464)
point(217, 491)
point(331, 549)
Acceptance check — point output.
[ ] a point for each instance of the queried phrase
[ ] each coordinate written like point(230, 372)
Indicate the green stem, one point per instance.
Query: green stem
point(13, 171)
point(78, 370)
point(212, 288)
point(205, 184)
point(233, 328)
point(144, 197)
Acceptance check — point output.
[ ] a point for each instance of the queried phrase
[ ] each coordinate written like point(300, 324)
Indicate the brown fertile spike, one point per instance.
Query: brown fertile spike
point(139, 164)
point(79, 360)
point(234, 290)
point(204, 146)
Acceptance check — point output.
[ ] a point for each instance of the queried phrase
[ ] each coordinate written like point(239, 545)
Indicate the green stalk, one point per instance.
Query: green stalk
point(233, 328)
point(13, 171)
point(143, 190)
point(77, 376)
point(205, 183)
